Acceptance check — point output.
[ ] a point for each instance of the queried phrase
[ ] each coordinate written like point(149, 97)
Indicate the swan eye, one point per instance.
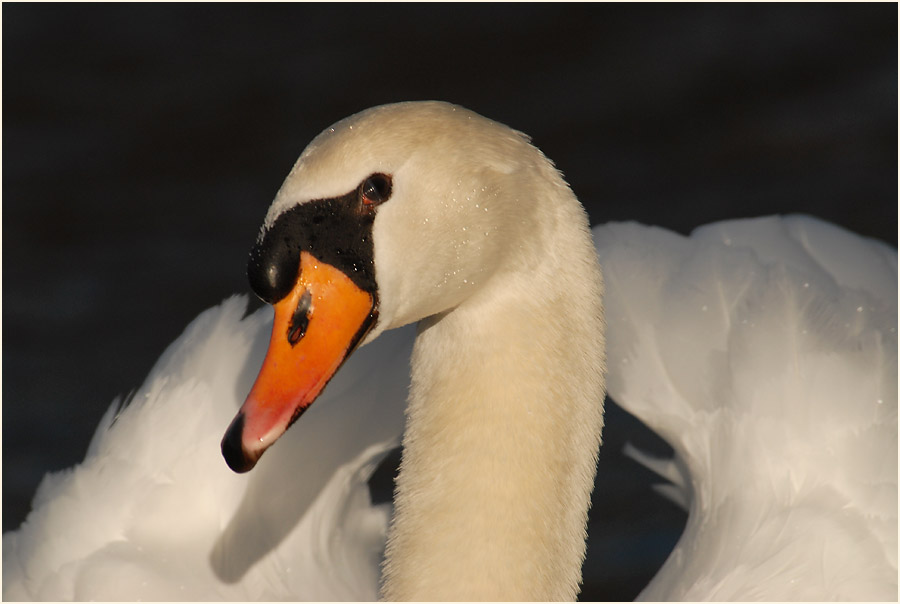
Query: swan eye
point(375, 189)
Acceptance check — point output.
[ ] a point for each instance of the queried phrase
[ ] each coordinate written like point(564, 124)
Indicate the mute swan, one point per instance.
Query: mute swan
point(764, 351)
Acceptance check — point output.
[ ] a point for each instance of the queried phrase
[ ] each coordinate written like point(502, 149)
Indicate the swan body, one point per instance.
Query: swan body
point(743, 346)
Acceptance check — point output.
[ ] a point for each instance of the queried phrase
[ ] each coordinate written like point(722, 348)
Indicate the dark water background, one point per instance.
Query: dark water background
point(143, 144)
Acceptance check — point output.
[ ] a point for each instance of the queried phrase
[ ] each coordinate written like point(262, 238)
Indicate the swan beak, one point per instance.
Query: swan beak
point(317, 325)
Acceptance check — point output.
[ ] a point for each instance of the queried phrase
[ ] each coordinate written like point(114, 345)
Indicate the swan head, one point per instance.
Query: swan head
point(390, 216)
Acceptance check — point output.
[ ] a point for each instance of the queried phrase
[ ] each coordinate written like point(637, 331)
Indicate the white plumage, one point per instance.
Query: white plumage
point(764, 351)
point(153, 513)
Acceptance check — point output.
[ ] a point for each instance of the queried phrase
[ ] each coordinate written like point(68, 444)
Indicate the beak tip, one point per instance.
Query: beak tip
point(236, 457)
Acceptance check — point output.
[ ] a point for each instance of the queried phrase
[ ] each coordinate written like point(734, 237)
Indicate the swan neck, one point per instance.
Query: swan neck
point(503, 426)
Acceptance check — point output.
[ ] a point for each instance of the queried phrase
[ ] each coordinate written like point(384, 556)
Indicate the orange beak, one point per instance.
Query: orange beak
point(317, 325)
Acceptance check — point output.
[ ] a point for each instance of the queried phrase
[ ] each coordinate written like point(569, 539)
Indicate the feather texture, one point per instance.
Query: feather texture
point(154, 514)
point(765, 352)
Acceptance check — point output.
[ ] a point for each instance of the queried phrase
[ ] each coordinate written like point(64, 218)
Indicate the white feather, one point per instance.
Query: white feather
point(765, 352)
point(154, 514)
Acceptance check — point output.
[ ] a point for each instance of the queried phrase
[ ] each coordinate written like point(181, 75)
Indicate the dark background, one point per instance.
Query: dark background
point(143, 144)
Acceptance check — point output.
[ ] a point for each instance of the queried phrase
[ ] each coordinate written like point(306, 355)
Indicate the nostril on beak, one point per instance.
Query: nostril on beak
point(300, 320)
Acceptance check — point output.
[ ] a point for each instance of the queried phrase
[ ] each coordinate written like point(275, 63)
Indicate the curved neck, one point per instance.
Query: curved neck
point(503, 426)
